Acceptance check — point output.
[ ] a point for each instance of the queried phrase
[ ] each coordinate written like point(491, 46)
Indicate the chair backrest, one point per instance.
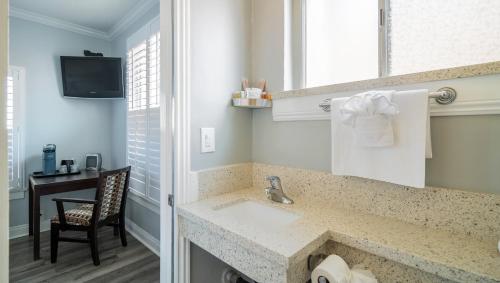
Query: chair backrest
point(111, 194)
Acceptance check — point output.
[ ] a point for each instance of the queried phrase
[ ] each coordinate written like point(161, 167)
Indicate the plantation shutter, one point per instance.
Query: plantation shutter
point(10, 130)
point(14, 130)
point(143, 115)
point(154, 116)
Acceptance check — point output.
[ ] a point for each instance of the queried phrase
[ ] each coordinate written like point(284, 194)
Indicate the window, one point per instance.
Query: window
point(15, 127)
point(345, 41)
point(143, 115)
point(428, 35)
point(341, 41)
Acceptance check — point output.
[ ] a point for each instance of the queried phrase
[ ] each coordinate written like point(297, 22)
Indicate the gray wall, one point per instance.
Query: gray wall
point(76, 126)
point(268, 42)
point(144, 217)
point(220, 58)
point(466, 153)
point(140, 215)
point(303, 144)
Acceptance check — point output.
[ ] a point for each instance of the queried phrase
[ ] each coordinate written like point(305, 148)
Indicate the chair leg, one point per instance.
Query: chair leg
point(54, 241)
point(123, 235)
point(92, 235)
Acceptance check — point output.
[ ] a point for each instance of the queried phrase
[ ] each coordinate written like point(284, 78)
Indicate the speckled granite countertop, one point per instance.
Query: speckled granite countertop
point(450, 255)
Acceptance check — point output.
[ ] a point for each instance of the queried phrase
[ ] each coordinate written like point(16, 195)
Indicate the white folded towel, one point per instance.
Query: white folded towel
point(403, 162)
point(370, 114)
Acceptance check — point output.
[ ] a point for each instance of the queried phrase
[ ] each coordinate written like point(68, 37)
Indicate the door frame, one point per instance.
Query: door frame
point(175, 156)
point(4, 192)
point(182, 142)
point(166, 141)
point(175, 137)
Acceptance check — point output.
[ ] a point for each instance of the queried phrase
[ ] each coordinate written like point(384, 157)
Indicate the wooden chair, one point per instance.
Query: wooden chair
point(107, 209)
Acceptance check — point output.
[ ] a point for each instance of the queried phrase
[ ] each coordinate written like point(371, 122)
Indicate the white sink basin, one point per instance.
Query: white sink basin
point(257, 215)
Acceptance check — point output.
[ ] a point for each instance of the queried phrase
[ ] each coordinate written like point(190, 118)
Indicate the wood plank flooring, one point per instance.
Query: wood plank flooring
point(134, 263)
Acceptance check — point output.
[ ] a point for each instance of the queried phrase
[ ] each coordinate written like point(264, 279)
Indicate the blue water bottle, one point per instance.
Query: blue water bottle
point(49, 159)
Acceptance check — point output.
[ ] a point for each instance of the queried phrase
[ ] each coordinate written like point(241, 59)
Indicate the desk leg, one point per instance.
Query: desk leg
point(30, 204)
point(36, 226)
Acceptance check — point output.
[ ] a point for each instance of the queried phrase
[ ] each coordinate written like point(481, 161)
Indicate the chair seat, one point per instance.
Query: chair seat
point(81, 216)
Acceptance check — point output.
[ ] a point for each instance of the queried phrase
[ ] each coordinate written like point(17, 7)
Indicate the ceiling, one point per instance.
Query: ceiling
point(101, 15)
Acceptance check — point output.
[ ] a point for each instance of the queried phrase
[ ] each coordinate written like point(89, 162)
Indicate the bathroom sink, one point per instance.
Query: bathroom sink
point(257, 215)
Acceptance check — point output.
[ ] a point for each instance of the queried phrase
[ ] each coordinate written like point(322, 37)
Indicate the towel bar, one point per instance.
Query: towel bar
point(443, 96)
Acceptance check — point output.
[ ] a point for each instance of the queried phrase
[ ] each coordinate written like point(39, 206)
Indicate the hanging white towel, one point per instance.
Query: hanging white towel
point(404, 162)
point(370, 115)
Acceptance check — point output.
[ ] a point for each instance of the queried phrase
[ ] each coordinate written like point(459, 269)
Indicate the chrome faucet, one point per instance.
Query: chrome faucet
point(275, 192)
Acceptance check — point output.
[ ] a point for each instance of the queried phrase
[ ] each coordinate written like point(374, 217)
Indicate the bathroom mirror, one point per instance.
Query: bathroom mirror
point(335, 41)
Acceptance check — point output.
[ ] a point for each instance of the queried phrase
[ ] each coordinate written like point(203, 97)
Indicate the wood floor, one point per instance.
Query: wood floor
point(134, 263)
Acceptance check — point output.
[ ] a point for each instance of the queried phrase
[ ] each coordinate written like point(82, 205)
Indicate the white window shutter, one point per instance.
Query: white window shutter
point(143, 119)
point(154, 117)
point(137, 117)
point(14, 120)
point(10, 131)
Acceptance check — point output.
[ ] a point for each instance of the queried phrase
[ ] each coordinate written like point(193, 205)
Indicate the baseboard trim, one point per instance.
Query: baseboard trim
point(148, 204)
point(135, 230)
point(143, 236)
point(22, 230)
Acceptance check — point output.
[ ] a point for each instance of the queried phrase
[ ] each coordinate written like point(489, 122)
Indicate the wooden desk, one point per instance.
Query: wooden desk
point(45, 186)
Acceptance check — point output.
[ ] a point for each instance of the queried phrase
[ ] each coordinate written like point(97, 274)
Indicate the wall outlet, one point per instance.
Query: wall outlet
point(207, 140)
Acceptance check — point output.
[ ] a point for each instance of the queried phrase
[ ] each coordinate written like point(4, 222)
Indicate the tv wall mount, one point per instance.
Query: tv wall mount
point(93, 54)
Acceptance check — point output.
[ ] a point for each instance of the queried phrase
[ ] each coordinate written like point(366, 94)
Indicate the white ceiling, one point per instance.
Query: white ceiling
point(101, 15)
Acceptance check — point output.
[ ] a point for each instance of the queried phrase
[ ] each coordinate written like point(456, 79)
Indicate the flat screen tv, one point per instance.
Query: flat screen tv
point(92, 77)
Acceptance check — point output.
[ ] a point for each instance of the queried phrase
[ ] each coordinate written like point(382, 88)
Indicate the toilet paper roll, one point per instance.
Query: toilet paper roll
point(333, 268)
point(362, 276)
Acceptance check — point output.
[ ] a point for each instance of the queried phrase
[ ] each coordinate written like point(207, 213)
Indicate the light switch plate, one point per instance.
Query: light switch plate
point(207, 140)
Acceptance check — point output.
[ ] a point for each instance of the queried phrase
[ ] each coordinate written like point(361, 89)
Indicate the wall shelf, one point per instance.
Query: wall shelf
point(254, 103)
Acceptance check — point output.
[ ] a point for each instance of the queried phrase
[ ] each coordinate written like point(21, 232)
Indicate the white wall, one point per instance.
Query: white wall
point(76, 126)
point(220, 58)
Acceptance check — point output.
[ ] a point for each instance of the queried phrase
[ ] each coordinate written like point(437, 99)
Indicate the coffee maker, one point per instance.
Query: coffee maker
point(49, 159)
